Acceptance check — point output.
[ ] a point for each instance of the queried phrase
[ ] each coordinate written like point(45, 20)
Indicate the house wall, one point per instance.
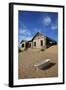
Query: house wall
point(23, 48)
point(31, 44)
point(37, 39)
point(38, 42)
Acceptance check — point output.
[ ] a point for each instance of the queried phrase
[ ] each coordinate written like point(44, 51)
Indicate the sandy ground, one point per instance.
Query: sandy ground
point(28, 58)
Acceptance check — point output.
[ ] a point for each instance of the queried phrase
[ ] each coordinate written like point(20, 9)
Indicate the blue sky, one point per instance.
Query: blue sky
point(31, 22)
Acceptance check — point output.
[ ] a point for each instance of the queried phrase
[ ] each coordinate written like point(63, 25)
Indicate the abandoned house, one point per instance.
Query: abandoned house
point(38, 41)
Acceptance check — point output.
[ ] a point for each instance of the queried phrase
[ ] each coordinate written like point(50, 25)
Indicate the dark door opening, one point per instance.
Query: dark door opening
point(28, 45)
point(34, 43)
point(41, 42)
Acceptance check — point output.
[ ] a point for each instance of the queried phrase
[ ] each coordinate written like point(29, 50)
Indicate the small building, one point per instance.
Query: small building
point(23, 44)
point(38, 41)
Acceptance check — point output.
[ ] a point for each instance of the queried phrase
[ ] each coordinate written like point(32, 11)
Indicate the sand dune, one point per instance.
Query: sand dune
point(28, 58)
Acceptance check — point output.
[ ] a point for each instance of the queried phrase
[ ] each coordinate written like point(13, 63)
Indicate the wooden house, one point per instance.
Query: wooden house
point(38, 41)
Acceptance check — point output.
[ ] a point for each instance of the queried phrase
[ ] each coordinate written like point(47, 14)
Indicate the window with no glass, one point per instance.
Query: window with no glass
point(34, 43)
point(22, 45)
point(41, 42)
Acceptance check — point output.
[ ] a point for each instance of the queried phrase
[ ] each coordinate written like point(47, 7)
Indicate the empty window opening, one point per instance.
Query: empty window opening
point(41, 42)
point(34, 43)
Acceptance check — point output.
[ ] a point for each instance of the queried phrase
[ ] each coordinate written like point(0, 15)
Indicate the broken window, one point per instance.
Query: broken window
point(22, 45)
point(34, 43)
point(41, 42)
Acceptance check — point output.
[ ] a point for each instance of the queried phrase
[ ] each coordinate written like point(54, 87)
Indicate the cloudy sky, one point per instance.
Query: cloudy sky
point(31, 22)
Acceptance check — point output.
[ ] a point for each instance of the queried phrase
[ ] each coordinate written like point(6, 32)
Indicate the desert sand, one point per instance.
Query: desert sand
point(29, 57)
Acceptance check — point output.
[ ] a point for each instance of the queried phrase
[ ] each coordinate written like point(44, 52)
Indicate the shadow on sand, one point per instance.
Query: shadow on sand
point(48, 66)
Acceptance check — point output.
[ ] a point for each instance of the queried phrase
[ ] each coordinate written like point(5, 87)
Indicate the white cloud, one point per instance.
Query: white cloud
point(22, 25)
point(25, 34)
point(22, 31)
point(25, 37)
point(47, 21)
point(54, 27)
point(28, 38)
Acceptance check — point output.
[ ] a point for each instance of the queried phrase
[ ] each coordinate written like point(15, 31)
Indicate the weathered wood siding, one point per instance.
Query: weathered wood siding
point(38, 39)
